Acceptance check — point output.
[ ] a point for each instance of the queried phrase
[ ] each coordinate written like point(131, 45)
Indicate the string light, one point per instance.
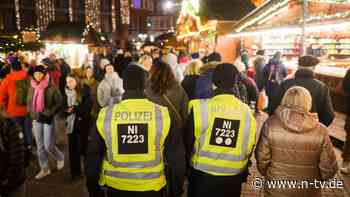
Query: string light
point(125, 12)
point(18, 16)
point(45, 9)
point(70, 10)
point(114, 18)
point(266, 13)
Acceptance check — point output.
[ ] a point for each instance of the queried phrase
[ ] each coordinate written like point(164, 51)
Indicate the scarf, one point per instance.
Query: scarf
point(71, 101)
point(39, 94)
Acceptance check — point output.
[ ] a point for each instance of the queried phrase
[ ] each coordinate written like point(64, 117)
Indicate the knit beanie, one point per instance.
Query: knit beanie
point(16, 64)
point(134, 78)
point(225, 76)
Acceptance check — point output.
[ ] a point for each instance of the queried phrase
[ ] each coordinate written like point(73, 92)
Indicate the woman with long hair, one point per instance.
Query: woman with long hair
point(191, 76)
point(163, 89)
point(77, 105)
point(43, 102)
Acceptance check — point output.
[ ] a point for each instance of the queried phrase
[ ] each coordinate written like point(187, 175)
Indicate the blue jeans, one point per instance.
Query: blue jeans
point(46, 143)
point(25, 123)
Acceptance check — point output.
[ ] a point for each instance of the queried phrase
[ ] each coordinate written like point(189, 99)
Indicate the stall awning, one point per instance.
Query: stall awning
point(73, 32)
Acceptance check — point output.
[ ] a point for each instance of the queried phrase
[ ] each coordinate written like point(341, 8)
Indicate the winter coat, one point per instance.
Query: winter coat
point(110, 90)
point(189, 85)
point(294, 146)
point(346, 88)
point(259, 64)
point(83, 120)
point(14, 167)
point(55, 75)
point(82, 110)
point(9, 89)
point(177, 97)
point(252, 90)
point(321, 99)
point(53, 101)
point(274, 73)
point(204, 85)
point(92, 84)
point(65, 70)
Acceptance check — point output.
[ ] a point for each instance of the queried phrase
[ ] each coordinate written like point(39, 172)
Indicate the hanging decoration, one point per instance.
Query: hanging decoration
point(93, 14)
point(70, 10)
point(114, 17)
point(125, 12)
point(45, 9)
point(18, 16)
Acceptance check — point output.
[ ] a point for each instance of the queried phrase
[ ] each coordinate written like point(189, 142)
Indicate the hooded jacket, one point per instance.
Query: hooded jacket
point(204, 84)
point(294, 146)
point(8, 94)
point(110, 90)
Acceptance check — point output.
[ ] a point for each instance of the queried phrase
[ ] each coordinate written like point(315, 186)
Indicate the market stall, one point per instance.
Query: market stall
point(293, 27)
point(74, 42)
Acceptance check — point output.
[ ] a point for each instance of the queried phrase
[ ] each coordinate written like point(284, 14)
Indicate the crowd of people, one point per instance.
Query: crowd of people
point(142, 123)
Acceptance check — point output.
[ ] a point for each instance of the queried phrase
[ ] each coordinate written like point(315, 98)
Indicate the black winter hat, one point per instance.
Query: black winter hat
point(39, 68)
point(16, 64)
point(134, 78)
point(225, 76)
point(214, 57)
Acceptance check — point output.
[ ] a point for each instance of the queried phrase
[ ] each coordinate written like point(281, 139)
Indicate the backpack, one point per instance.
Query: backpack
point(22, 87)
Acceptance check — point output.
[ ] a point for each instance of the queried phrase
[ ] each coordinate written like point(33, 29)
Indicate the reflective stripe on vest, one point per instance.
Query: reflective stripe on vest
point(144, 164)
point(139, 175)
point(204, 116)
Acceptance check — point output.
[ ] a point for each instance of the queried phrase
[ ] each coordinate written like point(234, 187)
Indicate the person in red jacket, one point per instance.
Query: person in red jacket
point(13, 94)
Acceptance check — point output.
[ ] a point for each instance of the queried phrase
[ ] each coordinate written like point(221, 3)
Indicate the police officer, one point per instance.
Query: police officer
point(220, 139)
point(144, 151)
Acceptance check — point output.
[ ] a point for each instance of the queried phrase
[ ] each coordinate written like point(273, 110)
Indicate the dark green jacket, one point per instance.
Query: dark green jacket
point(53, 101)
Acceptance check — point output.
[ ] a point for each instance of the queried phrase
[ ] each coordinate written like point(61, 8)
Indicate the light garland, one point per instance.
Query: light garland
point(114, 17)
point(125, 12)
point(266, 13)
point(70, 10)
point(45, 9)
point(18, 16)
point(93, 14)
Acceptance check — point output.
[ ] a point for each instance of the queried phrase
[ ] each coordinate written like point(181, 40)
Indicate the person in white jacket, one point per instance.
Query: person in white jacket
point(110, 90)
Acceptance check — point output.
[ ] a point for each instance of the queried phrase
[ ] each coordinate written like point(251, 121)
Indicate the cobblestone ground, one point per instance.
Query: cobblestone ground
point(58, 184)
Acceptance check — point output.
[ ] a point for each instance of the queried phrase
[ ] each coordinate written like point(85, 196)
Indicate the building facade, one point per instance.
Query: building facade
point(117, 19)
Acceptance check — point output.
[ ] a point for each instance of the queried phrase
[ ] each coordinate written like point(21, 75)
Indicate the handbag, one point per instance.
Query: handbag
point(178, 116)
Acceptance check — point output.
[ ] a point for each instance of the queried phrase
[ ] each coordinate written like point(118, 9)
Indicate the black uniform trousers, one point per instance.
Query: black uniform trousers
point(206, 185)
point(111, 192)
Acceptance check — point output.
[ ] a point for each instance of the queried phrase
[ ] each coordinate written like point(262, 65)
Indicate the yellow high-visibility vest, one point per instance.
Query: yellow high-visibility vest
point(134, 132)
point(225, 132)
